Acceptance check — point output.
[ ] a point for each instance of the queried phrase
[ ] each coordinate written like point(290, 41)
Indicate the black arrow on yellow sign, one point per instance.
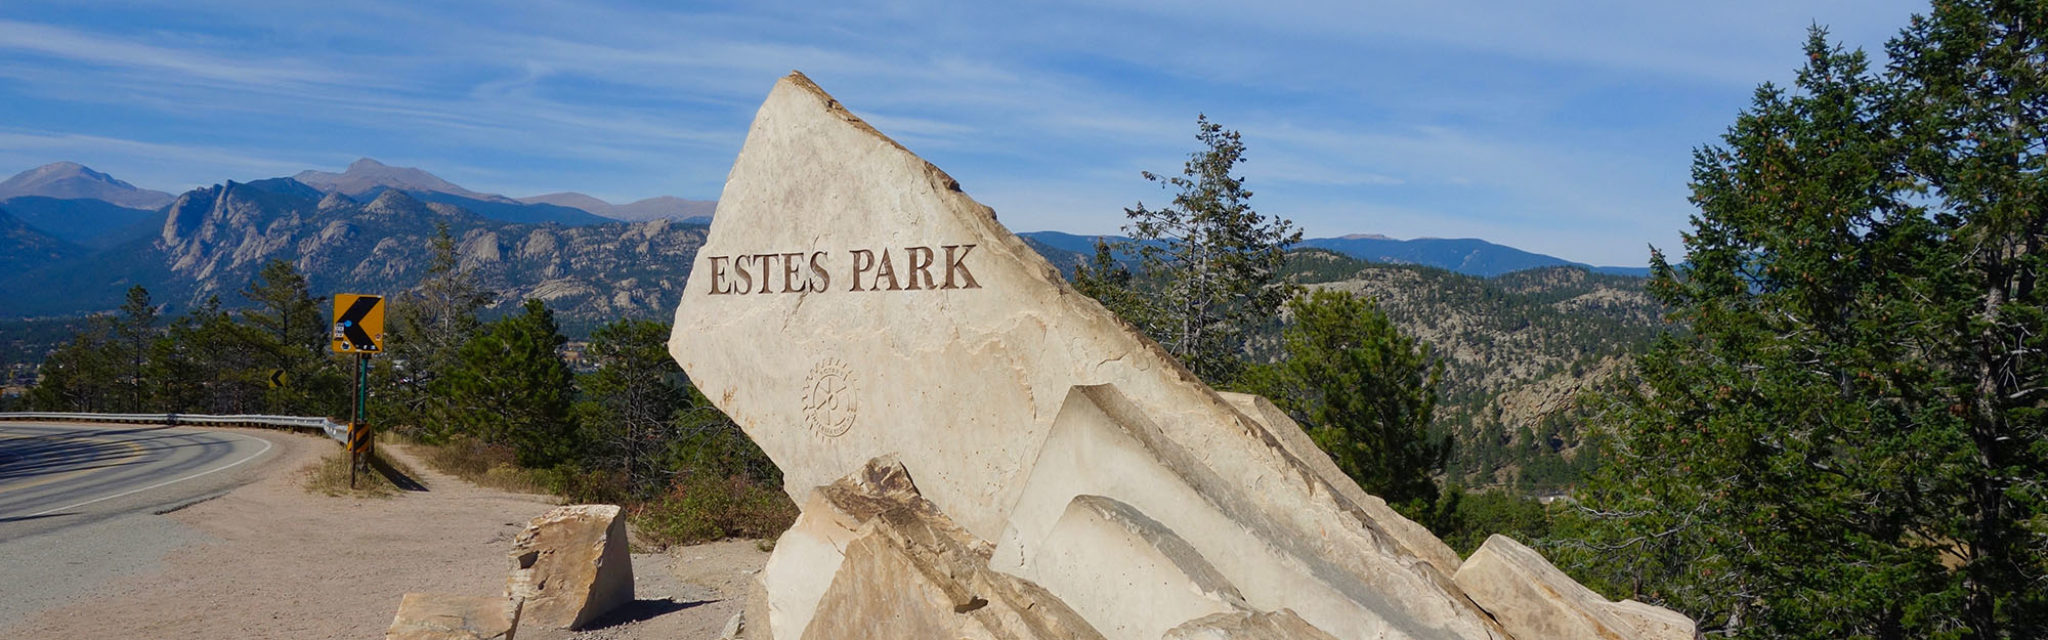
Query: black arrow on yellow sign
point(351, 323)
point(277, 379)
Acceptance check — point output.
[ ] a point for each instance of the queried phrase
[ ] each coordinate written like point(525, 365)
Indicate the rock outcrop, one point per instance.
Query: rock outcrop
point(570, 566)
point(1532, 599)
point(910, 572)
point(852, 305)
point(439, 616)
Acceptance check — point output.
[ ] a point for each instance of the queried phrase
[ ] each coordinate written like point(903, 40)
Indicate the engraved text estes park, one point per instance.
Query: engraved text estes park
point(926, 268)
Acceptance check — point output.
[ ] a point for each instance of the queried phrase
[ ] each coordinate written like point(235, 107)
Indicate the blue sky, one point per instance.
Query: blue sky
point(1559, 127)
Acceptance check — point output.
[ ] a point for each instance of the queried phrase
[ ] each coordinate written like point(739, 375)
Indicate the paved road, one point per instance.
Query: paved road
point(81, 504)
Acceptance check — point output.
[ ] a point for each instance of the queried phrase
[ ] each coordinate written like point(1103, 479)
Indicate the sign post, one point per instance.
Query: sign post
point(359, 330)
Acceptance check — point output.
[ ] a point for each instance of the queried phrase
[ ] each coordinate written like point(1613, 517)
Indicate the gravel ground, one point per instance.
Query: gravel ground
point(270, 560)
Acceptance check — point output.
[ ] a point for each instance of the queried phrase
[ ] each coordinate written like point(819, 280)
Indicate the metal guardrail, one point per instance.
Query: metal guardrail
point(336, 431)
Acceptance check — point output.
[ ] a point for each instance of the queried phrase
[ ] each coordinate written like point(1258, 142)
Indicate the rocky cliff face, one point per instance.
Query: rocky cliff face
point(214, 240)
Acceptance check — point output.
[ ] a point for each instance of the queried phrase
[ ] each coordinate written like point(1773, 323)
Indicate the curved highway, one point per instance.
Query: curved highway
point(81, 504)
point(51, 473)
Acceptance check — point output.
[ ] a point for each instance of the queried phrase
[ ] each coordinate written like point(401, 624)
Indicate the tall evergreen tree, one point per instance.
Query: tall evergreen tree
point(201, 364)
point(1110, 282)
point(1851, 439)
point(630, 403)
point(84, 373)
point(180, 379)
point(136, 330)
point(1214, 258)
point(1365, 391)
point(429, 324)
point(291, 329)
point(512, 387)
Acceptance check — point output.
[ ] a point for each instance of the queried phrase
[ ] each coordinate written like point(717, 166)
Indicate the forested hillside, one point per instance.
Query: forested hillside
point(1518, 350)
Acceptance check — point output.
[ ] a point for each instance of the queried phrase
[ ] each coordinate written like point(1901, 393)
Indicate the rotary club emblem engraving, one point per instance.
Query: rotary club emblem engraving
point(829, 403)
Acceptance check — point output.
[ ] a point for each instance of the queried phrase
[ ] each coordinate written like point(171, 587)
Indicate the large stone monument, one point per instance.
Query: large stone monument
point(980, 451)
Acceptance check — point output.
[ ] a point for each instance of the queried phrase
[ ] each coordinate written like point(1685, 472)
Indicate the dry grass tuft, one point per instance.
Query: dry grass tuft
point(387, 476)
point(484, 465)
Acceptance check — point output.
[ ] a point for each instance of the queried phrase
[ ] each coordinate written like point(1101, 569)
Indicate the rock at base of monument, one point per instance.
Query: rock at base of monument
point(1341, 575)
point(1653, 622)
point(1532, 599)
point(571, 565)
point(1277, 625)
point(754, 623)
point(912, 573)
point(439, 616)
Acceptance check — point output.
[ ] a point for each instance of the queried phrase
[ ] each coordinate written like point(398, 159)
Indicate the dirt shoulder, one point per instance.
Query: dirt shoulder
point(280, 562)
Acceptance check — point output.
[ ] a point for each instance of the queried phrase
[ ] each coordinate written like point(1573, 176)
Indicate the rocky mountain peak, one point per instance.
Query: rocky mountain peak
point(74, 181)
point(334, 200)
point(367, 175)
point(393, 202)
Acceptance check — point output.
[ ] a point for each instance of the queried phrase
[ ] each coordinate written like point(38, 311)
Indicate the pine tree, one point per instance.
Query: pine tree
point(1215, 259)
point(1849, 440)
point(136, 330)
point(1366, 393)
point(512, 387)
point(429, 324)
point(631, 401)
point(1111, 283)
point(291, 330)
point(83, 374)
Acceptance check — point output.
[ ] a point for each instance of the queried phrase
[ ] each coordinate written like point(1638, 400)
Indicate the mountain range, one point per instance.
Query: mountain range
point(211, 242)
point(73, 181)
point(1469, 256)
point(74, 239)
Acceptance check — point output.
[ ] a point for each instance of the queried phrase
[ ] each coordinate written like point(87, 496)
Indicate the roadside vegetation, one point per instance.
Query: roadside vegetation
point(387, 476)
point(492, 402)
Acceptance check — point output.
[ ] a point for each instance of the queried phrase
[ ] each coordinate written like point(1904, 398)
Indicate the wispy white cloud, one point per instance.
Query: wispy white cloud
point(121, 53)
point(1564, 124)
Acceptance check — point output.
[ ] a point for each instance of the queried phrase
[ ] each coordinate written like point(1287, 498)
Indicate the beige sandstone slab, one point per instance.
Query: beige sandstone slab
point(1532, 599)
point(571, 565)
point(806, 558)
point(1103, 444)
point(1277, 625)
point(1656, 623)
point(440, 616)
point(912, 573)
point(1127, 574)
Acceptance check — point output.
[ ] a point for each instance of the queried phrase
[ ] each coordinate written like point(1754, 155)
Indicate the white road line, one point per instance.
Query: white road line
point(237, 463)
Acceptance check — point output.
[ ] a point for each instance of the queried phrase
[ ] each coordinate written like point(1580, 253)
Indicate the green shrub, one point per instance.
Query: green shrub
point(702, 507)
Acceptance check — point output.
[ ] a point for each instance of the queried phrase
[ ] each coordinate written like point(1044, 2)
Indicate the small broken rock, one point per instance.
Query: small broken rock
point(440, 616)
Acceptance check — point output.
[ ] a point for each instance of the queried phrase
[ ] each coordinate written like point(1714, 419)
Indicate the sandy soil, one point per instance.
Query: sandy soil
point(285, 563)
